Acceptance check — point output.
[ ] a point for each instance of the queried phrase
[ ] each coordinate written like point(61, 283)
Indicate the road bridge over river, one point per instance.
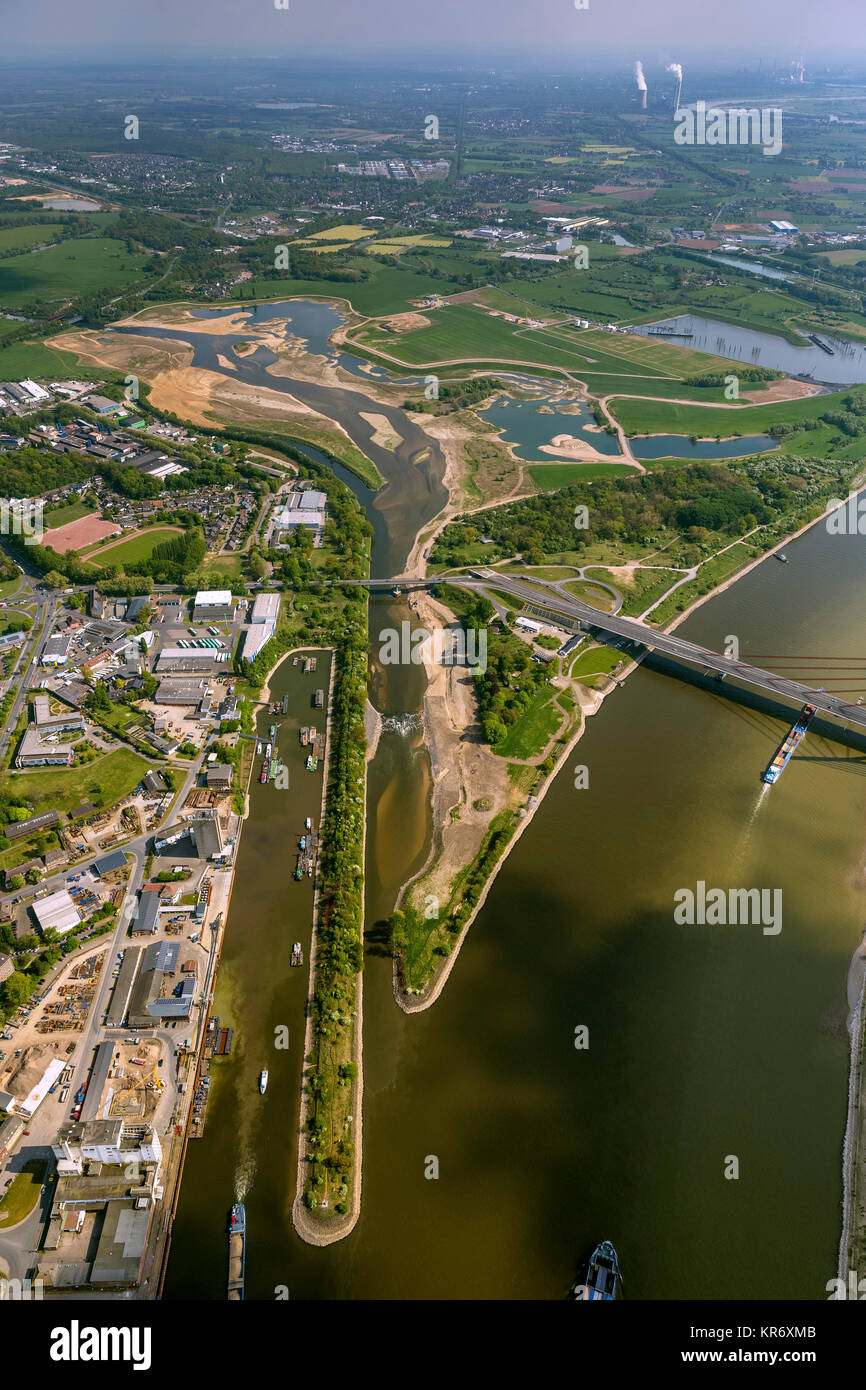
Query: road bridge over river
point(545, 599)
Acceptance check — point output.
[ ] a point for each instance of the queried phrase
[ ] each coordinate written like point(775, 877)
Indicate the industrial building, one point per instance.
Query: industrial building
point(10, 1132)
point(308, 508)
point(109, 863)
point(191, 660)
point(219, 775)
point(213, 606)
point(266, 607)
point(122, 992)
point(204, 827)
point(102, 1064)
point(181, 692)
point(32, 1102)
point(105, 1141)
point(19, 830)
point(56, 651)
point(57, 911)
point(160, 991)
point(101, 405)
point(263, 624)
point(146, 919)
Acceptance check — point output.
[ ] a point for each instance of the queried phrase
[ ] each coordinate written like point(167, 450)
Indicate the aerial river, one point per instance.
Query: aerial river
point(706, 1044)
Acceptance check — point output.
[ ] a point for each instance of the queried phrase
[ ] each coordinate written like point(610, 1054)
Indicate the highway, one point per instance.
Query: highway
point(555, 602)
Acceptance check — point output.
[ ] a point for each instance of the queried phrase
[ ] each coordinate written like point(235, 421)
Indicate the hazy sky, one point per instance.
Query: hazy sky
point(476, 30)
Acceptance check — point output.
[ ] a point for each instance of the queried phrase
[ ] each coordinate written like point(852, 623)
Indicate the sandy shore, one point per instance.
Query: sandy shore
point(569, 446)
point(590, 702)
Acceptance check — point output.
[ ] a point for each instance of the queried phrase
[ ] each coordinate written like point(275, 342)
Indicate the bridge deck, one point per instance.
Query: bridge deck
point(556, 603)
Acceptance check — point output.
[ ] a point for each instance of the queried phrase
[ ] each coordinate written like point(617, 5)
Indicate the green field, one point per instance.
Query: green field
point(466, 331)
point(538, 724)
point(23, 238)
point(19, 1200)
point(555, 475)
point(30, 358)
point(594, 666)
point(104, 781)
point(63, 515)
point(664, 417)
point(82, 266)
point(388, 291)
point(138, 547)
point(221, 567)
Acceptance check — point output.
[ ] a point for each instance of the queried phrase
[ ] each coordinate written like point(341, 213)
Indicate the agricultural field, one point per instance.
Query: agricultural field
point(405, 243)
point(349, 233)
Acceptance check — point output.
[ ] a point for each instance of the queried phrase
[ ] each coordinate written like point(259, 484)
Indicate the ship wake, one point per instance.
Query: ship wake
point(746, 836)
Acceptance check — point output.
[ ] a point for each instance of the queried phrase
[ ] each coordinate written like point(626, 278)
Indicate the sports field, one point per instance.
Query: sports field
point(75, 535)
point(137, 546)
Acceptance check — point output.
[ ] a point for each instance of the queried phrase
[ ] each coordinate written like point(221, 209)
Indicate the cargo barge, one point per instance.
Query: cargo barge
point(792, 740)
point(602, 1276)
point(237, 1231)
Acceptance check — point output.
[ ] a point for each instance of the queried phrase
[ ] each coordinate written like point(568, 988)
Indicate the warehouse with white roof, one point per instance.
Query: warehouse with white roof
point(213, 606)
point(57, 911)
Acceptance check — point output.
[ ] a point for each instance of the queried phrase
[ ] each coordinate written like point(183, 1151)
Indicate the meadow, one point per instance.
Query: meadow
point(82, 266)
point(104, 782)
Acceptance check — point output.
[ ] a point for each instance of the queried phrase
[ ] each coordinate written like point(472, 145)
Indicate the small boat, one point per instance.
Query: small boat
point(302, 843)
point(264, 776)
point(312, 763)
point(308, 824)
point(263, 1082)
point(269, 748)
point(297, 954)
point(780, 555)
point(259, 746)
point(602, 1276)
point(299, 868)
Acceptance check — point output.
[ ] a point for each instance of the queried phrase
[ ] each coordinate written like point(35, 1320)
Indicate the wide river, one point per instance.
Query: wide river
point(706, 1044)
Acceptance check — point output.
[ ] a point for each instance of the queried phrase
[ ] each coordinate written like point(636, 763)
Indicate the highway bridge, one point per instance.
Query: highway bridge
point(578, 615)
